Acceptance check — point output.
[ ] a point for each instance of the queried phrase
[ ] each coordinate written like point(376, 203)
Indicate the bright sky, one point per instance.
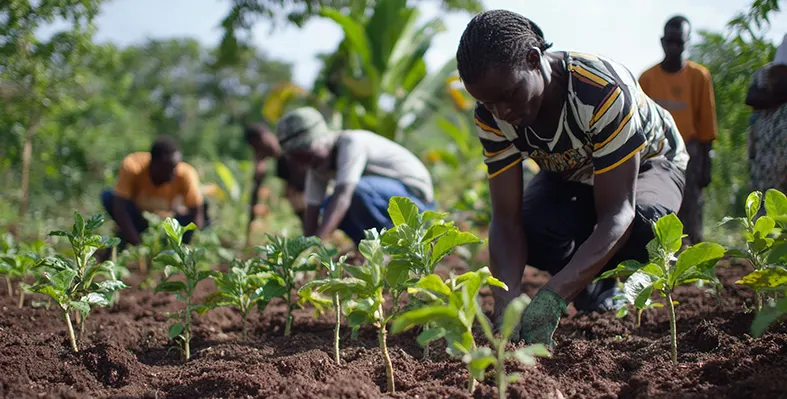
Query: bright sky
point(625, 30)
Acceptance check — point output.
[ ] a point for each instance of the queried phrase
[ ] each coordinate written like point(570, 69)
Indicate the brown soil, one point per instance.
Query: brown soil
point(126, 354)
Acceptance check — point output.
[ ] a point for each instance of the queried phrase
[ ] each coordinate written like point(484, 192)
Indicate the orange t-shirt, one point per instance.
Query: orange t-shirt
point(688, 96)
point(134, 184)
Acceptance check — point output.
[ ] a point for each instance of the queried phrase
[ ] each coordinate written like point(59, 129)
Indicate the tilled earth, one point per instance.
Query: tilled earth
point(125, 353)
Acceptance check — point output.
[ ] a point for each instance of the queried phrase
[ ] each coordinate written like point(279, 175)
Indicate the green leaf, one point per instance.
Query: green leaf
point(274, 288)
point(764, 226)
point(345, 286)
point(775, 203)
point(81, 306)
point(217, 299)
point(513, 314)
point(79, 225)
point(354, 33)
point(397, 272)
point(770, 277)
point(444, 316)
point(430, 335)
point(175, 330)
point(727, 220)
point(436, 230)
point(51, 292)
point(624, 269)
point(737, 253)
point(171, 286)
point(478, 360)
point(669, 233)
point(168, 258)
point(496, 283)
point(433, 283)
point(644, 296)
point(94, 222)
point(95, 298)
point(61, 280)
point(449, 241)
point(622, 312)
point(203, 274)
point(778, 254)
point(697, 257)
point(753, 203)
point(767, 316)
point(403, 211)
point(636, 285)
point(528, 354)
point(111, 285)
point(432, 215)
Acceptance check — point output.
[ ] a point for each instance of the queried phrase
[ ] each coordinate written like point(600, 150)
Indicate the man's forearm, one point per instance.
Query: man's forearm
point(335, 212)
point(608, 237)
point(126, 226)
point(508, 255)
point(311, 220)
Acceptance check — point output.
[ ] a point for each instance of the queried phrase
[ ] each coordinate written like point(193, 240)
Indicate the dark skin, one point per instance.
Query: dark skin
point(320, 157)
point(674, 45)
point(520, 95)
point(162, 171)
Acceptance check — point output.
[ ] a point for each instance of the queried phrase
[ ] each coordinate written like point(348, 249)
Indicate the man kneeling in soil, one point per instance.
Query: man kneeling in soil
point(367, 170)
point(157, 182)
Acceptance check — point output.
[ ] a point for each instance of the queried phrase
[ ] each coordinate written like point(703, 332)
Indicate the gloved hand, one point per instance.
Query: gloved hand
point(541, 317)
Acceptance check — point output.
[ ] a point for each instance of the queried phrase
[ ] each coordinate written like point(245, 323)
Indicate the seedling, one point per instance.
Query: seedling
point(363, 295)
point(452, 307)
point(283, 259)
point(184, 259)
point(479, 359)
point(306, 293)
point(762, 251)
point(16, 263)
point(241, 287)
point(419, 241)
point(638, 304)
point(70, 281)
point(663, 273)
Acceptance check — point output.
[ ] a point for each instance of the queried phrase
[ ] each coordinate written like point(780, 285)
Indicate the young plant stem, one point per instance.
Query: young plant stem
point(672, 328)
point(71, 332)
point(187, 328)
point(10, 287)
point(337, 329)
point(758, 301)
point(243, 327)
point(381, 336)
point(21, 297)
point(500, 372)
point(470, 383)
point(639, 318)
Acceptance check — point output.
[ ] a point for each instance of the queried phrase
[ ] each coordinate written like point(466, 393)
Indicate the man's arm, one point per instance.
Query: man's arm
point(614, 193)
point(120, 208)
point(260, 170)
point(335, 210)
point(507, 244)
point(311, 220)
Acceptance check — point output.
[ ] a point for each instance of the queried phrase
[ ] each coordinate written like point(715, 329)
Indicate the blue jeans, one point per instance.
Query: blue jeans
point(139, 221)
point(369, 206)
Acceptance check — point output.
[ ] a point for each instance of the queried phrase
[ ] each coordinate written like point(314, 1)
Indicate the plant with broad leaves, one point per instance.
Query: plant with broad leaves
point(664, 272)
point(184, 259)
point(70, 282)
point(766, 254)
point(16, 263)
point(242, 287)
point(451, 308)
point(639, 304)
point(480, 358)
point(362, 293)
point(307, 293)
point(283, 260)
point(419, 241)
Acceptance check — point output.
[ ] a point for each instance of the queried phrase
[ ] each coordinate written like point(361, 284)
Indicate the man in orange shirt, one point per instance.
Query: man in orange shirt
point(685, 89)
point(157, 182)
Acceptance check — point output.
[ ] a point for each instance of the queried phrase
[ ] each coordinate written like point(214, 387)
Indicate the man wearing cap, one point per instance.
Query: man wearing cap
point(366, 171)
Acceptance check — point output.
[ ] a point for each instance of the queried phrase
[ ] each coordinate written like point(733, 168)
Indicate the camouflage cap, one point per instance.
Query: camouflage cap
point(300, 128)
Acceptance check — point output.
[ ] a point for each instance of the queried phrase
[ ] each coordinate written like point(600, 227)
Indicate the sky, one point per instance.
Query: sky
point(627, 31)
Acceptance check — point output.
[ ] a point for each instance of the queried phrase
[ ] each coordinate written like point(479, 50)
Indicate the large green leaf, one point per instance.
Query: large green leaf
point(95, 298)
point(171, 286)
point(443, 316)
point(669, 233)
point(354, 34)
point(94, 222)
point(434, 283)
point(698, 257)
point(636, 284)
point(175, 330)
point(449, 241)
point(764, 226)
point(430, 335)
point(403, 211)
point(770, 277)
point(512, 315)
point(274, 288)
point(61, 280)
point(397, 272)
point(775, 203)
point(385, 27)
point(81, 306)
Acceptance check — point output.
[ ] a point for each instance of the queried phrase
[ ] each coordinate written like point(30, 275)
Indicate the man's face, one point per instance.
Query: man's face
point(163, 170)
point(675, 40)
point(315, 157)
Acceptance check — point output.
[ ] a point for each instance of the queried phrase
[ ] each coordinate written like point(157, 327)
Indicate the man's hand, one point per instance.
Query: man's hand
point(336, 210)
point(541, 317)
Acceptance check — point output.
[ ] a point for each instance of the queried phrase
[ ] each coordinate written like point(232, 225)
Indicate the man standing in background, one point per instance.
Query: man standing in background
point(685, 89)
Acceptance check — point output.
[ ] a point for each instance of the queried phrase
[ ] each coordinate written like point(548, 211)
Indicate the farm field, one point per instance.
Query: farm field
point(127, 354)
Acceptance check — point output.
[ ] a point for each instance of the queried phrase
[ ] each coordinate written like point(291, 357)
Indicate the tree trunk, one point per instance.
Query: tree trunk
point(27, 155)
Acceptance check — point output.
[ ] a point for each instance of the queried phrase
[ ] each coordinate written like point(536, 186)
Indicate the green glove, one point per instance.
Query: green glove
point(541, 317)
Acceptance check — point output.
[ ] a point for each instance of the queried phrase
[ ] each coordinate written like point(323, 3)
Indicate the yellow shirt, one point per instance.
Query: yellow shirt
point(688, 96)
point(134, 184)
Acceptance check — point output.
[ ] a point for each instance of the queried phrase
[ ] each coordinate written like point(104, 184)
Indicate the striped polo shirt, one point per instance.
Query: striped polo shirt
point(606, 119)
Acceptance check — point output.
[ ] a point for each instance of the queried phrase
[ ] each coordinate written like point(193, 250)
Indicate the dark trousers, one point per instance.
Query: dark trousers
point(559, 216)
point(694, 197)
point(369, 206)
point(139, 221)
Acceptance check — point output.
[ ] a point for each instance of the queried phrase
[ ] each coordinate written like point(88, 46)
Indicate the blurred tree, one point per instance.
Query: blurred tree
point(37, 76)
point(244, 13)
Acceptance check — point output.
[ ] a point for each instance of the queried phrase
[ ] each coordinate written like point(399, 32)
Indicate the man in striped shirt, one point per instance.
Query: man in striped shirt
point(612, 162)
